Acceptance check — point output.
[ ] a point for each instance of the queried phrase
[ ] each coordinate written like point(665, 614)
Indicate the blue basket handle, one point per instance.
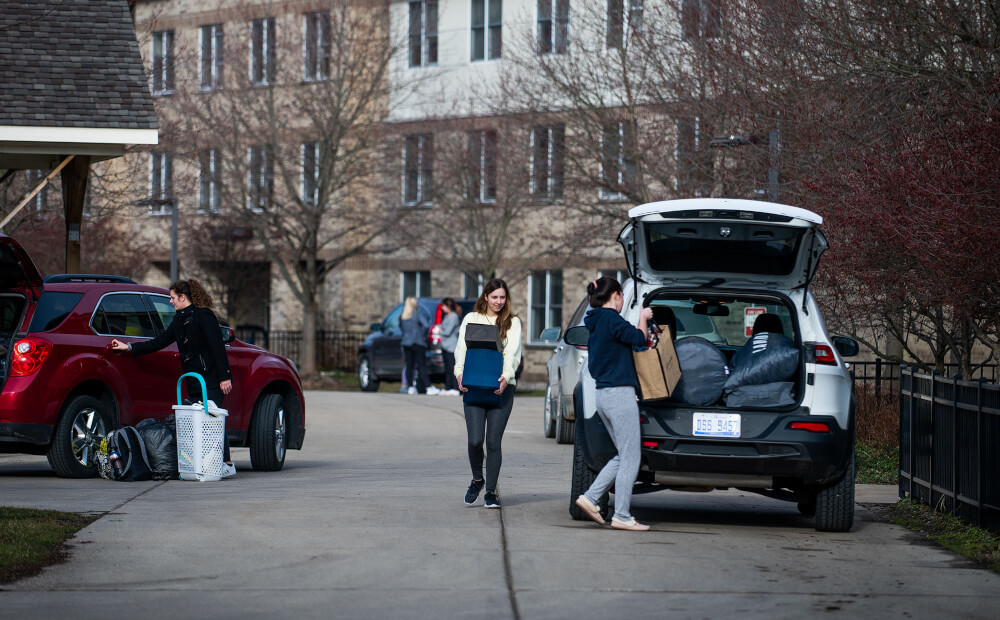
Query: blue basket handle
point(204, 389)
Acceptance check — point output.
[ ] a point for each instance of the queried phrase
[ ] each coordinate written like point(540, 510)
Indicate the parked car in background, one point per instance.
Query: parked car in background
point(563, 371)
point(380, 356)
point(63, 389)
point(720, 264)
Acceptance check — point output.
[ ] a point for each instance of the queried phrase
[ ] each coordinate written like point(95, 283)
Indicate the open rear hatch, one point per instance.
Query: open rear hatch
point(713, 242)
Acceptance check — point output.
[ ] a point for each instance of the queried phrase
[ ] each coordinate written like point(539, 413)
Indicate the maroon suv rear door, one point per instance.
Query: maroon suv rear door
point(17, 271)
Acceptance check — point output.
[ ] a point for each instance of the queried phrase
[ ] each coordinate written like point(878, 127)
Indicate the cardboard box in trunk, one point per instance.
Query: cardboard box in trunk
point(658, 370)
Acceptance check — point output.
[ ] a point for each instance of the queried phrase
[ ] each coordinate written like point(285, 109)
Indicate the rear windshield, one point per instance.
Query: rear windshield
point(727, 247)
point(53, 308)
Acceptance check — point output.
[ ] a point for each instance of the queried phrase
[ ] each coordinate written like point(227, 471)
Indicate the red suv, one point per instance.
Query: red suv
point(63, 388)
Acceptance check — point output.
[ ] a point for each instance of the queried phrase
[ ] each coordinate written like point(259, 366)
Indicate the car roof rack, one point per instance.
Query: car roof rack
point(86, 277)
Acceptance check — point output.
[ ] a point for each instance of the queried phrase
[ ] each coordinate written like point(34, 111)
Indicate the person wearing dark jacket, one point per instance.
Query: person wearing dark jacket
point(610, 346)
point(196, 331)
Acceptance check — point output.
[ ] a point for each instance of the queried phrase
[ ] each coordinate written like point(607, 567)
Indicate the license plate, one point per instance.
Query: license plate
point(716, 425)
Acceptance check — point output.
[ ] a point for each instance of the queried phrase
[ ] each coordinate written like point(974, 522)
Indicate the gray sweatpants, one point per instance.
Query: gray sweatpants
point(618, 408)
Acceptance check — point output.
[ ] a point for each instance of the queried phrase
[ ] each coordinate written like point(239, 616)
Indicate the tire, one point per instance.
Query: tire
point(367, 380)
point(268, 434)
point(548, 419)
point(583, 477)
point(835, 503)
point(84, 422)
point(564, 427)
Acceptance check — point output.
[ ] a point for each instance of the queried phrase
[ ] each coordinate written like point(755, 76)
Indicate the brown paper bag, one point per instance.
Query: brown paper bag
point(658, 370)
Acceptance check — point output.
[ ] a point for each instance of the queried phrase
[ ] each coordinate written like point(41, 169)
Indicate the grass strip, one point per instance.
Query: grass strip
point(949, 531)
point(876, 463)
point(31, 539)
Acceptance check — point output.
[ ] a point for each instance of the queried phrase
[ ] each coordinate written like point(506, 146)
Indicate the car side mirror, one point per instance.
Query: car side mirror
point(551, 333)
point(847, 347)
point(228, 335)
point(577, 336)
point(376, 327)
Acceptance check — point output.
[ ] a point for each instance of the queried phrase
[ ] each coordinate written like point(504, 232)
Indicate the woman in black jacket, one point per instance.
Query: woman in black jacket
point(196, 331)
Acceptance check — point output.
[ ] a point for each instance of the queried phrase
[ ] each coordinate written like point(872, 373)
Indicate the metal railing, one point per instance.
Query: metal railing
point(949, 445)
point(884, 376)
point(336, 349)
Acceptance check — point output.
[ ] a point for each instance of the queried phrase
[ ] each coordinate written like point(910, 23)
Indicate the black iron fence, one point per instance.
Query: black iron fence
point(949, 445)
point(883, 376)
point(336, 349)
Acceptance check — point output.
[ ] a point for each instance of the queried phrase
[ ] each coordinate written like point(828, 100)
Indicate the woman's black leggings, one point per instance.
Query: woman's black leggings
point(488, 424)
point(216, 396)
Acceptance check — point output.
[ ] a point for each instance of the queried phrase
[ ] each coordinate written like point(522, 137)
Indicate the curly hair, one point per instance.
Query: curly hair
point(193, 290)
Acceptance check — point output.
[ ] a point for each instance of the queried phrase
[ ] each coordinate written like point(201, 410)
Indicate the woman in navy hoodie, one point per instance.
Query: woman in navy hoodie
point(612, 340)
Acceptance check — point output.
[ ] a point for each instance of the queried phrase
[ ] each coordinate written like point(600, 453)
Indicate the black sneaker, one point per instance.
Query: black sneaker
point(490, 500)
point(473, 493)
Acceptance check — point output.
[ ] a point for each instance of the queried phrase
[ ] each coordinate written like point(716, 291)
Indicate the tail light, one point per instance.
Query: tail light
point(813, 427)
point(823, 354)
point(29, 353)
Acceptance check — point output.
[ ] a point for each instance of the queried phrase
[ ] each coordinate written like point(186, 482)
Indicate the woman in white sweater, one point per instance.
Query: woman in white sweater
point(488, 424)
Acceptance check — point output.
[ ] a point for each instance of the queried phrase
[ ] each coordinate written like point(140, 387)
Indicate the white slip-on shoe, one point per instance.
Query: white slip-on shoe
point(590, 509)
point(631, 525)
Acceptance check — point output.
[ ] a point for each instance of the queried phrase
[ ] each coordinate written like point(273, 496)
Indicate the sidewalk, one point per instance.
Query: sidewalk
point(876, 493)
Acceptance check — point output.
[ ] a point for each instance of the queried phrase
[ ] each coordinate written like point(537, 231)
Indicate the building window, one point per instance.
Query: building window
point(310, 173)
point(211, 57)
point(163, 62)
point(618, 274)
point(701, 19)
point(553, 26)
point(209, 181)
point(487, 29)
point(418, 166)
point(694, 163)
point(481, 147)
point(415, 284)
point(547, 162)
point(472, 286)
point(623, 16)
point(316, 47)
point(618, 169)
point(262, 52)
point(260, 183)
point(423, 32)
point(161, 184)
point(546, 303)
point(34, 178)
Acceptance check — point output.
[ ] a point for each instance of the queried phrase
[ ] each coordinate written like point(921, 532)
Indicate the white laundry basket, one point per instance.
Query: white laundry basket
point(201, 429)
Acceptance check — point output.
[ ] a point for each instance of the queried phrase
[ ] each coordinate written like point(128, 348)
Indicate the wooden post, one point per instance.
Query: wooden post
point(74, 185)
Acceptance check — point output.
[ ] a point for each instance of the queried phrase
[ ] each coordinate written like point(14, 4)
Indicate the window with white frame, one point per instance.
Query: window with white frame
point(701, 19)
point(546, 292)
point(624, 16)
point(34, 178)
point(553, 26)
point(163, 62)
point(693, 176)
point(209, 181)
point(161, 183)
point(472, 285)
point(316, 47)
point(423, 33)
point(481, 148)
point(418, 168)
point(487, 29)
point(211, 57)
point(262, 51)
point(260, 181)
point(414, 284)
point(618, 168)
point(548, 162)
point(310, 173)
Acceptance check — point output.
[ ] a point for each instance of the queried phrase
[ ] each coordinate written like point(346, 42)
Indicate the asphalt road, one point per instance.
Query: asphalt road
point(368, 522)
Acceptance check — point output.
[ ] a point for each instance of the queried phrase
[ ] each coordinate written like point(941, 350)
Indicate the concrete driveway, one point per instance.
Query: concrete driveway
point(368, 522)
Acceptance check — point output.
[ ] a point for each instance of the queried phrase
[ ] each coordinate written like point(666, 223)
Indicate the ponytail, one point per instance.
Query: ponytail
point(601, 290)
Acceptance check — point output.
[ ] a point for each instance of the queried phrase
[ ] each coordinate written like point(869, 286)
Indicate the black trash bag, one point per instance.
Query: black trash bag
point(703, 372)
point(160, 437)
point(777, 394)
point(765, 358)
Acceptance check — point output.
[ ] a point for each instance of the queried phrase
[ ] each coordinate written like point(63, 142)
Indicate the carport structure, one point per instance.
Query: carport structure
point(72, 91)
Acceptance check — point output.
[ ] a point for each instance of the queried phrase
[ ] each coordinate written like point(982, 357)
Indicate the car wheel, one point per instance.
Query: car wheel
point(564, 427)
point(82, 425)
point(583, 477)
point(268, 434)
point(367, 380)
point(835, 503)
point(548, 420)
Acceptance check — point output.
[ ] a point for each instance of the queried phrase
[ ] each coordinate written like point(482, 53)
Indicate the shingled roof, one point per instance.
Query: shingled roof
point(65, 63)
